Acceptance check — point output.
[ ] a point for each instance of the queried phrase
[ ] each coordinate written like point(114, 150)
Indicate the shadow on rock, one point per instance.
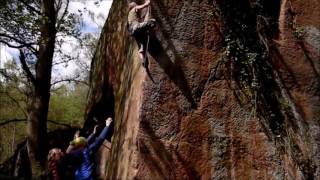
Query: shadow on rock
point(173, 70)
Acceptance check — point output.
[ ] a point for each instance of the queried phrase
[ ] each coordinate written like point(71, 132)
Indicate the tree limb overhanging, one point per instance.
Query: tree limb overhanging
point(59, 21)
point(18, 41)
point(31, 8)
point(16, 46)
point(11, 121)
point(31, 27)
point(15, 101)
point(72, 79)
point(5, 122)
point(57, 4)
point(5, 75)
point(25, 67)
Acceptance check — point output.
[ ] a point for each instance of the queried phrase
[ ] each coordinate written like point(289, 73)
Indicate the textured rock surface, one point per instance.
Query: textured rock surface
point(195, 121)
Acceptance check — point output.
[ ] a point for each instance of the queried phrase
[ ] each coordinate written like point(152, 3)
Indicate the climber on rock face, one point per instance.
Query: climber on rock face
point(86, 150)
point(139, 30)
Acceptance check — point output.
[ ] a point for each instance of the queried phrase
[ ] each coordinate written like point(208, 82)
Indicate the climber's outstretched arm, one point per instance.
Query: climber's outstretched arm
point(147, 3)
point(92, 136)
point(106, 132)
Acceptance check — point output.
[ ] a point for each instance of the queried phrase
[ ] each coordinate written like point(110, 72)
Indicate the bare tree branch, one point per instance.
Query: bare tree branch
point(12, 77)
point(59, 21)
point(69, 80)
point(19, 41)
point(25, 120)
point(31, 8)
point(13, 46)
point(26, 68)
point(59, 123)
point(3, 73)
point(15, 101)
point(64, 61)
point(16, 39)
point(11, 121)
point(57, 4)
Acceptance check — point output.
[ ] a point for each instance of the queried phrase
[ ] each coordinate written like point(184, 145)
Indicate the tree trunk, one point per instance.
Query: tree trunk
point(38, 107)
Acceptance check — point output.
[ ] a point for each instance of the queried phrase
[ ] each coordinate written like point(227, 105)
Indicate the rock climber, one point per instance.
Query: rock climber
point(139, 29)
point(86, 150)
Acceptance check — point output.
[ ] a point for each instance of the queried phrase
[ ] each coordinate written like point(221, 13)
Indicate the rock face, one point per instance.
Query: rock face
point(232, 92)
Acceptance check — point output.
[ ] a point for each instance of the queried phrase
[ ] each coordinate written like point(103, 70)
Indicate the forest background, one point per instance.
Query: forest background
point(70, 70)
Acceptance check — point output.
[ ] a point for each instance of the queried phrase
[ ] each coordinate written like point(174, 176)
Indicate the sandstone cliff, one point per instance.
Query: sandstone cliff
point(233, 91)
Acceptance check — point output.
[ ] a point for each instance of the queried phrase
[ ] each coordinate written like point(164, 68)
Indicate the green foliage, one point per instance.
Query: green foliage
point(67, 105)
point(25, 26)
point(299, 32)
point(10, 136)
point(12, 103)
point(245, 59)
point(285, 104)
point(12, 106)
point(248, 28)
point(12, 97)
point(20, 23)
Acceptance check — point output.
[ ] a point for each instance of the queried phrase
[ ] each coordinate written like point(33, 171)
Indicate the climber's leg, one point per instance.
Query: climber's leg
point(141, 50)
point(142, 53)
point(146, 61)
point(140, 32)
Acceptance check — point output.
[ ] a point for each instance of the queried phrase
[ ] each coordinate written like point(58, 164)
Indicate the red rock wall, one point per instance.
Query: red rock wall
point(189, 118)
